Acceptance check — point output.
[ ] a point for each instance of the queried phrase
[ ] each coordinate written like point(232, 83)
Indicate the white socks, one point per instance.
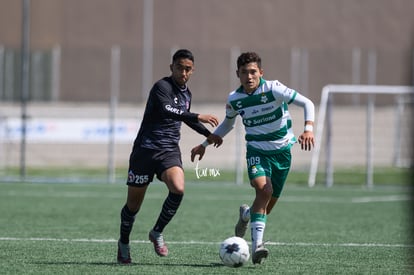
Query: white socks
point(257, 232)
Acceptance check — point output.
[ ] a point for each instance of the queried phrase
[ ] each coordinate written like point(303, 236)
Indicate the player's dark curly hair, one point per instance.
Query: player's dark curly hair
point(183, 53)
point(249, 57)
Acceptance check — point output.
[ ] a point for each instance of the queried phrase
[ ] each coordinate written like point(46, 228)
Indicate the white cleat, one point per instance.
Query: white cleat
point(242, 223)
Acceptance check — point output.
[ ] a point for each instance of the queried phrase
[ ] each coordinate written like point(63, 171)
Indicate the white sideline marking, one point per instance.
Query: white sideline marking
point(335, 200)
point(390, 198)
point(207, 243)
point(287, 198)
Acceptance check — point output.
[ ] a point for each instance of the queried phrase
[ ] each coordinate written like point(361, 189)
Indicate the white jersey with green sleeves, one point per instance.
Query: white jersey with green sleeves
point(265, 115)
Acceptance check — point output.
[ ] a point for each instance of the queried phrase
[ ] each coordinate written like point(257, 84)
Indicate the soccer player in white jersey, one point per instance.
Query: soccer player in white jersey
point(263, 107)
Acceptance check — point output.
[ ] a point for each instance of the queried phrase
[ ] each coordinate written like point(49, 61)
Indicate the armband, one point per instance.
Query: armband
point(308, 128)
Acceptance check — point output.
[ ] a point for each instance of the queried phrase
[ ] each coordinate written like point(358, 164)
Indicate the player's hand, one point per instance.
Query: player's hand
point(306, 140)
point(198, 150)
point(210, 119)
point(215, 140)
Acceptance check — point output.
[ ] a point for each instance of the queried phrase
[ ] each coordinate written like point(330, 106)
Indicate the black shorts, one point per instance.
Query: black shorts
point(144, 163)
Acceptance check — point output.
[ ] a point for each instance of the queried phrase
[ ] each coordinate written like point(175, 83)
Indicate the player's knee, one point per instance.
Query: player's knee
point(177, 189)
point(179, 192)
point(268, 190)
point(264, 194)
point(133, 206)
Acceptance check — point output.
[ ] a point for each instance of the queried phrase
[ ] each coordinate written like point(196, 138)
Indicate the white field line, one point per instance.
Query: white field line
point(287, 198)
point(365, 199)
point(389, 198)
point(207, 243)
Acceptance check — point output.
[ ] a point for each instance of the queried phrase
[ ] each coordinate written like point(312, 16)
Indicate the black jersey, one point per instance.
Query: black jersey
point(166, 108)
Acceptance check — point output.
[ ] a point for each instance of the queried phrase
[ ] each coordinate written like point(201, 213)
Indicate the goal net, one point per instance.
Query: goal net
point(374, 135)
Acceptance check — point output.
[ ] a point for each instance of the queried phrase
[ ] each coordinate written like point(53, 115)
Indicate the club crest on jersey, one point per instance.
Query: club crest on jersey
point(254, 170)
point(175, 100)
point(264, 99)
point(239, 104)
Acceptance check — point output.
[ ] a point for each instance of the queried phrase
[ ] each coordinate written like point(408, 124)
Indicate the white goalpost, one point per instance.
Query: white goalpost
point(324, 117)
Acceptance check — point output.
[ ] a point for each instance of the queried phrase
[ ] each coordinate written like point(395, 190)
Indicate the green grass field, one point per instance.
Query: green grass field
point(73, 228)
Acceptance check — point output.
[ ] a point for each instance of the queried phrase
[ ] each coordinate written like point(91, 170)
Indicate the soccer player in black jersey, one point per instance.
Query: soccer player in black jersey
point(156, 151)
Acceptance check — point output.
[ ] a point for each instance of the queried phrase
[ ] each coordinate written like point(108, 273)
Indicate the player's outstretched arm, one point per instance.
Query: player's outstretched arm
point(306, 139)
point(200, 149)
point(210, 119)
point(216, 138)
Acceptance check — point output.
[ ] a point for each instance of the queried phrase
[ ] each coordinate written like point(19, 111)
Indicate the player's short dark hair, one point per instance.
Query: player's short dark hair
point(249, 57)
point(182, 53)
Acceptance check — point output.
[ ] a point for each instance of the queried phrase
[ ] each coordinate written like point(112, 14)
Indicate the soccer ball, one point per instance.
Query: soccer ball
point(234, 252)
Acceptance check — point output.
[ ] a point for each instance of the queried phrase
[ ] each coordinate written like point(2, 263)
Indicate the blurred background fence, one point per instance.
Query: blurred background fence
point(84, 74)
point(68, 140)
point(91, 64)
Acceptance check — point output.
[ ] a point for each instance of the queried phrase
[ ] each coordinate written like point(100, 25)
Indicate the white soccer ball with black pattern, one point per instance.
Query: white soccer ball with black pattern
point(234, 252)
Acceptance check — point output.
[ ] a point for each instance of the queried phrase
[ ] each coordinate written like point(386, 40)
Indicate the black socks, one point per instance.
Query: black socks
point(169, 208)
point(127, 221)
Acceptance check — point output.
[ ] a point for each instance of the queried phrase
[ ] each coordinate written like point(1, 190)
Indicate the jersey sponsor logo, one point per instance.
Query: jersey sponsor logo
point(137, 179)
point(264, 109)
point(253, 122)
point(174, 110)
point(239, 104)
point(175, 100)
point(268, 108)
